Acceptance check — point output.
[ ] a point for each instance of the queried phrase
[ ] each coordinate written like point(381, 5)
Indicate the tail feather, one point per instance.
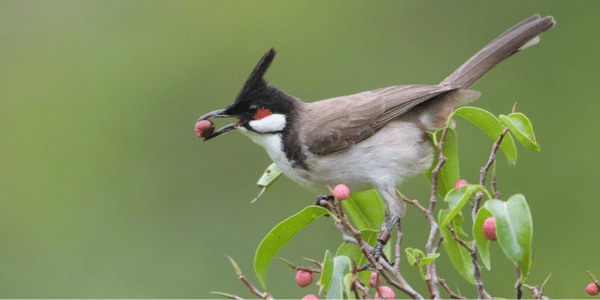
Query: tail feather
point(518, 37)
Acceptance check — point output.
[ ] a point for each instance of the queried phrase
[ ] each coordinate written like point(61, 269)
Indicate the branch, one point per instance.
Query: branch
point(452, 294)
point(380, 265)
point(397, 248)
point(481, 293)
point(460, 241)
point(252, 288)
point(431, 274)
point(519, 284)
point(416, 204)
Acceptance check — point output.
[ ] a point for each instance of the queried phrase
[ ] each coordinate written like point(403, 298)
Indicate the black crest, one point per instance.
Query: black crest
point(255, 79)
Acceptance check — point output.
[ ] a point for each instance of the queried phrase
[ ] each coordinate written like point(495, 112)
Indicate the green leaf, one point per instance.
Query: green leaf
point(341, 267)
point(326, 270)
point(514, 230)
point(347, 284)
point(483, 244)
point(521, 127)
point(410, 256)
point(459, 256)
point(431, 257)
point(492, 126)
point(457, 198)
point(450, 172)
point(280, 235)
point(366, 210)
point(268, 177)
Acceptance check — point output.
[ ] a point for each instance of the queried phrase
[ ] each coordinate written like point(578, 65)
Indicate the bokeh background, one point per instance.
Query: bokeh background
point(106, 192)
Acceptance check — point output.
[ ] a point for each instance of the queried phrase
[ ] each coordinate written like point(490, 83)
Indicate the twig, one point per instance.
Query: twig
point(416, 204)
point(399, 238)
point(251, 287)
point(452, 294)
point(298, 268)
point(431, 274)
point(481, 293)
point(519, 284)
point(538, 292)
point(459, 240)
point(438, 244)
point(402, 284)
point(358, 285)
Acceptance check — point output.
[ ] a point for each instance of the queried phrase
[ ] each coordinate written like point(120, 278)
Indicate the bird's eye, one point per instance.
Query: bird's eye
point(253, 108)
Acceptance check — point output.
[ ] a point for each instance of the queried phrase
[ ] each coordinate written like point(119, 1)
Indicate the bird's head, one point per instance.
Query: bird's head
point(258, 107)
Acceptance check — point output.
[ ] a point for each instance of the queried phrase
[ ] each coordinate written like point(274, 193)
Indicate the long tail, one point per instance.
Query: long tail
point(514, 39)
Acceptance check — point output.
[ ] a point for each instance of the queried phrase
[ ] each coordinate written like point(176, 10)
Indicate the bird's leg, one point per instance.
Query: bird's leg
point(384, 237)
point(396, 208)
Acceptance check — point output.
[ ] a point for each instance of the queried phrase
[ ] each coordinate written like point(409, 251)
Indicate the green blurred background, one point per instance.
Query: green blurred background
point(105, 191)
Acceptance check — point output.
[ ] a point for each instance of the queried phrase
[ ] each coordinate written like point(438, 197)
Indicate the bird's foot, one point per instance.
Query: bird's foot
point(321, 198)
point(325, 201)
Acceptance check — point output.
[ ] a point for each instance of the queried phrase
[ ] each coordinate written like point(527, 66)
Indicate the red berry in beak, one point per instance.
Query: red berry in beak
point(489, 228)
point(592, 289)
point(204, 128)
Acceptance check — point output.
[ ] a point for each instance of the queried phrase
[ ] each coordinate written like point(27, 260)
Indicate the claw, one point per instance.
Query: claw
point(323, 198)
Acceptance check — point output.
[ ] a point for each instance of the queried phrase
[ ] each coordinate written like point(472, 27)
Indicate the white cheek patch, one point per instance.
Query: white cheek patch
point(272, 123)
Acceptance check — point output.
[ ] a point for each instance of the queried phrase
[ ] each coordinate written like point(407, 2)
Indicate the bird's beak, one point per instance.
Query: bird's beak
point(221, 113)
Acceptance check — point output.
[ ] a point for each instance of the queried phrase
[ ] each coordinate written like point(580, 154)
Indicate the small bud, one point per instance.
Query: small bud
point(592, 289)
point(341, 192)
point(204, 128)
point(385, 292)
point(310, 297)
point(460, 183)
point(375, 280)
point(304, 278)
point(489, 228)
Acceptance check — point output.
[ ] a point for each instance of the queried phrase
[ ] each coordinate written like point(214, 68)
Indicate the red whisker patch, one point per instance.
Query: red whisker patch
point(262, 113)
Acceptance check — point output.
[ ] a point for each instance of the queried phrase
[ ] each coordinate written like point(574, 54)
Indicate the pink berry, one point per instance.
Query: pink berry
point(385, 292)
point(341, 192)
point(304, 278)
point(204, 128)
point(375, 280)
point(489, 228)
point(592, 289)
point(310, 297)
point(460, 183)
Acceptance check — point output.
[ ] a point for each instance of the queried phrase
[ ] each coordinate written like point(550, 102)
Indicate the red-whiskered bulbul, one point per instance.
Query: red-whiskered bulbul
point(373, 139)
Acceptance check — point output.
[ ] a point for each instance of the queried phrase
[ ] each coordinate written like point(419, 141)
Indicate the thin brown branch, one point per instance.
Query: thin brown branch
point(397, 248)
point(452, 294)
point(438, 244)
point(459, 240)
point(251, 287)
point(519, 284)
point(359, 286)
point(431, 274)
point(481, 293)
point(402, 284)
point(416, 204)
point(538, 292)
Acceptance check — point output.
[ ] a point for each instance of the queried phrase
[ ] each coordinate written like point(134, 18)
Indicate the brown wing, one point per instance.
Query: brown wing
point(337, 124)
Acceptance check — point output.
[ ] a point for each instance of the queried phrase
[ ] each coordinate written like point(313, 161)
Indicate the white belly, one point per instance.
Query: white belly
point(395, 152)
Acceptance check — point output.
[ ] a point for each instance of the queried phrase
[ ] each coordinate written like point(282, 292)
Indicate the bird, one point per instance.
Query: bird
point(369, 140)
